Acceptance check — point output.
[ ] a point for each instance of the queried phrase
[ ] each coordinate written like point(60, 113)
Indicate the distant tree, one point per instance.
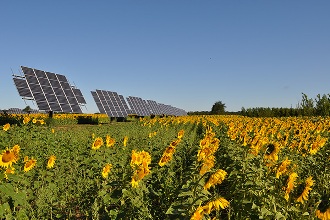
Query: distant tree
point(218, 108)
point(306, 106)
point(27, 109)
point(322, 107)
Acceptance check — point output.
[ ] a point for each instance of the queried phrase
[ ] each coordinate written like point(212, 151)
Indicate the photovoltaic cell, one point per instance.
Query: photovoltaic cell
point(52, 92)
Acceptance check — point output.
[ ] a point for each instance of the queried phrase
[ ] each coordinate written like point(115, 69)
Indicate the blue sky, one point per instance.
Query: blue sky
point(188, 54)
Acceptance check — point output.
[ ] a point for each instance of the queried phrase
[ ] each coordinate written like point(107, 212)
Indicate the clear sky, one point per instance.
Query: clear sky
point(185, 53)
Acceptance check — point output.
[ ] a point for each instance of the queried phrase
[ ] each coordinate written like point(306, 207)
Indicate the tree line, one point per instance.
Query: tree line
point(319, 106)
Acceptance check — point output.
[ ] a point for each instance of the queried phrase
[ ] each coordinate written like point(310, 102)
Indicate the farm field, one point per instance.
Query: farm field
point(188, 167)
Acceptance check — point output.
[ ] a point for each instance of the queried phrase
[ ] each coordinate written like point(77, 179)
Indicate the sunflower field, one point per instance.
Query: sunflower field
point(188, 167)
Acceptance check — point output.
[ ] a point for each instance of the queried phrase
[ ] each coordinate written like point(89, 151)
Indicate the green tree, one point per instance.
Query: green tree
point(307, 106)
point(322, 105)
point(218, 108)
point(27, 109)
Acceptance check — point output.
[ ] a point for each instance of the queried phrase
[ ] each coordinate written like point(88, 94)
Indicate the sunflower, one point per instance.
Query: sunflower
point(106, 170)
point(323, 209)
point(110, 142)
point(175, 143)
point(215, 178)
point(180, 134)
point(6, 127)
point(10, 170)
point(317, 144)
point(51, 161)
point(220, 203)
point(34, 121)
point(139, 163)
point(164, 160)
point(125, 141)
point(29, 164)
point(198, 214)
point(290, 184)
point(98, 142)
point(272, 152)
point(26, 120)
point(283, 168)
point(139, 174)
point(8, 157)
point(303, 194)
point(208, 164)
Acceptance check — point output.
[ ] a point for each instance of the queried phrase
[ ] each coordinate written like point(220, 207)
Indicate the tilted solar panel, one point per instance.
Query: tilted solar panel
point(52, 92)
point(111, 103)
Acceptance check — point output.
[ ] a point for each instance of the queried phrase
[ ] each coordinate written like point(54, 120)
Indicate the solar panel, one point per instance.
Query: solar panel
point(52, 92)
point(111, 103)
point(138, 106)
point(154, 107)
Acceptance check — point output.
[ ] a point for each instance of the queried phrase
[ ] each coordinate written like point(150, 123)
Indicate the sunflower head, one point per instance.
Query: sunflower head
point(26, 120)
point(270, 149)
point(29, 164)
point(106, 170)
point(98, 142)
point(8, 157)
point(325, 203)
point(125, 141)
point(51, 161)
point(6, 127)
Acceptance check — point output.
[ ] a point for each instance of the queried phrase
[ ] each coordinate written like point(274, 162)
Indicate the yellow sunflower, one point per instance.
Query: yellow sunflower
point(6, 127)
point(140, 162)
point(106, 170)
point(125, 141)
point(304, 194)
point(29, 164)
point(51, 161)
point(8, 157)
point(208, 164)
point(10, 170)
point(180, 134)
point(220, 203)
point(290, 184)
point(198, 214)
point(323, 209)
point(272, 152)
point(283, 168)
point(98, 142)
point(215, 178)
point(26, 120)
point(110, 142)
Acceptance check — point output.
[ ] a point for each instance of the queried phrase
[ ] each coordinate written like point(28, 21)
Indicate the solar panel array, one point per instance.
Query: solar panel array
point(111, 103)
point(52, 92)
point(19, 111)
point(115, 106)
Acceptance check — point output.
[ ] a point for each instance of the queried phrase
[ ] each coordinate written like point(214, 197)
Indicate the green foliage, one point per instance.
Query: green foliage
point(75, 189)
point(218, 108)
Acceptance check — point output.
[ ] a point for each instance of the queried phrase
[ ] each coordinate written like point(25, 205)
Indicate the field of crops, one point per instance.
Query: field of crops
point(191, 167)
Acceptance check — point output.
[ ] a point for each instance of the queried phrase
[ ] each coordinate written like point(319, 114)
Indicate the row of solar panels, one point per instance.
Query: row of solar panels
point(52, 92)
point(18, 111)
